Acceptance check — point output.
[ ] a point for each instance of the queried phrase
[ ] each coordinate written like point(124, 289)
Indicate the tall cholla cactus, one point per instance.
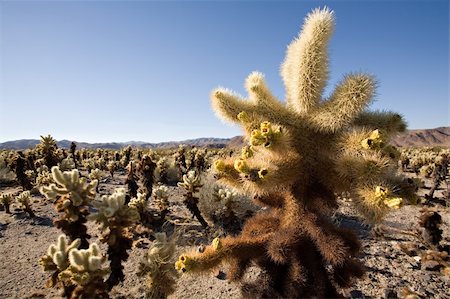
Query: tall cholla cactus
point(191, 183)
point(71, 195)
point(300, 154)
point(47, 149)
point(116, 218)
point(157, 265)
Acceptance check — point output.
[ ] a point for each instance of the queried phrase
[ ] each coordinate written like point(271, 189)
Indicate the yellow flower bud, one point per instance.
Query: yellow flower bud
point(262, 173)
point(381, 192)
point(393, 203)
point(219, 165)
point(375, 135)
point(266, 125)
point(241, 166)
point(184, 263)
point(217, 244)
point(246, 152)
point(243, 117)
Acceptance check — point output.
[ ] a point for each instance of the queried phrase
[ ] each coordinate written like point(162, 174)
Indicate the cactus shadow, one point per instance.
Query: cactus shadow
point(354, 223)
point(43, 221)
point(36, 220)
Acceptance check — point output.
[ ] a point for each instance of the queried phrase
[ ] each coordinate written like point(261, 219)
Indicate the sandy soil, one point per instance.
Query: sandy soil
point(23, 241)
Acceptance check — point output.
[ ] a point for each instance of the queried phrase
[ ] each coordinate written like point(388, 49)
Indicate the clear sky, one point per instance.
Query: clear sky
point(101, 71)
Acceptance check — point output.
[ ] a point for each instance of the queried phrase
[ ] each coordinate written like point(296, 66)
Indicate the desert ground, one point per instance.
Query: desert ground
point(391, 272)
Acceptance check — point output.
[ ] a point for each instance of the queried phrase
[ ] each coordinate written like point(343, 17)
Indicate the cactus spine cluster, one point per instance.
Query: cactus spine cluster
point(300, 154)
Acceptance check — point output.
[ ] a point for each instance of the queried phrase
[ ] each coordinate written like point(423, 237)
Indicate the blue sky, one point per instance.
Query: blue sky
point(101, 71)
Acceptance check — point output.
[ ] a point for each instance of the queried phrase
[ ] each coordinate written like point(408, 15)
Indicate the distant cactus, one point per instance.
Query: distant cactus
point(67, 164)
point(146, 169)
point(20, 166)
point(73, 147)
point(300, 155)
point(6, 201)
point(131, 182)
point(112, 167)
point(47, 150)
point(71, 196)
point(191, 184)
point(157, 265)
point(115, 218)
point(24, 203)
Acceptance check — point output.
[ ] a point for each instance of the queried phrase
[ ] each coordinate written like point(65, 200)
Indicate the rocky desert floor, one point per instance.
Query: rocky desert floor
point(390, 270)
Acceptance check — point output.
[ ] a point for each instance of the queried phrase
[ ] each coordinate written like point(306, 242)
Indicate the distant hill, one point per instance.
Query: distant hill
point(199, 142)
point(428, 137)
point(411, 138)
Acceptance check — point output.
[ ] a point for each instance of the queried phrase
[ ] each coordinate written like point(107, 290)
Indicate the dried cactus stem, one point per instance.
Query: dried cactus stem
point(146, 170)
point(131, 182)
point(119, 241)
point(191, 203)
point(20, 164)
point(73, 147)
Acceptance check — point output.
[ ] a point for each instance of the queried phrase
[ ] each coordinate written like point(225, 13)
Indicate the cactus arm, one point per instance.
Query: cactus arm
point(305, 69)
point(388, 122)
point(220, 250)
point(348, 100)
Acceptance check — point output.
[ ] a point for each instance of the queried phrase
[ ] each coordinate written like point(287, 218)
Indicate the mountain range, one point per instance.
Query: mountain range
point(411, 138)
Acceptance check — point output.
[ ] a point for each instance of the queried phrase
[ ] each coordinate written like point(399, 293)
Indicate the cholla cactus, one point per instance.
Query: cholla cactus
point(24, 203)
point(67, 164)
point(20, 165)
point(71, 195)
point(300, 155)
point(146, 169)
point(157, 265)
point(139, 203)
point(44, 178)
point(112, 166)
point(131, 181)
point(86, 273)
point(6, 175)
point(226, 217)
point(47, 149)
point(6, 201)
point(191, 183)
point(96, 174)
point(57, 260)
point(161, 197)
point(116, 218)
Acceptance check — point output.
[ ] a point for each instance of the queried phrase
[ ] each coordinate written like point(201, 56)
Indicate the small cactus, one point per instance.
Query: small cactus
point(86, 273)
point(115, 218)
point(24, 203)
point(157, 265)
point(191, 183)
point(6, 201)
